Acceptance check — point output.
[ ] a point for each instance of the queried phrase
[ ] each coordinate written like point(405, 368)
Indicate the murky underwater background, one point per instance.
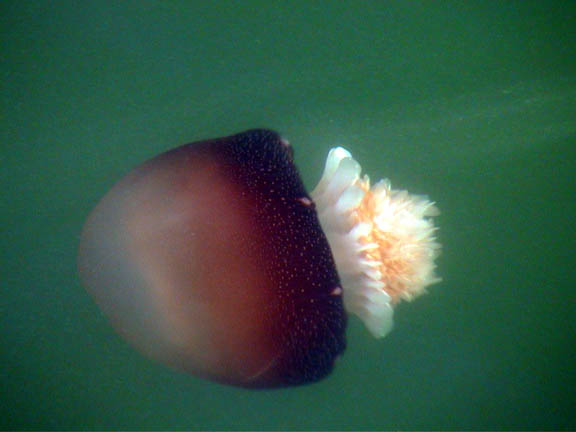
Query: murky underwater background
point(472, 103)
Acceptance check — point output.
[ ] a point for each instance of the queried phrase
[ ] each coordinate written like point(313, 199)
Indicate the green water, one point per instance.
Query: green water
point(472, 103)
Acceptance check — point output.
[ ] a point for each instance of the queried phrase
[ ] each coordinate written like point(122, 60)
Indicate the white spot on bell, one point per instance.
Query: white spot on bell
point(336, 291)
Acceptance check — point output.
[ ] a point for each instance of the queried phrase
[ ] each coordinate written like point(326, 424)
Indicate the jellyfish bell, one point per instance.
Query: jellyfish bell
point(213, 258)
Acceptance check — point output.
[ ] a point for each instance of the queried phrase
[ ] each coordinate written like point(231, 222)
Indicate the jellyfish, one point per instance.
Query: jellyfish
point(212, 258)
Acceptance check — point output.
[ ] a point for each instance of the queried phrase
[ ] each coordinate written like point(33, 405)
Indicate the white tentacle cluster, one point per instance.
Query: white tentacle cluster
point(382, 240)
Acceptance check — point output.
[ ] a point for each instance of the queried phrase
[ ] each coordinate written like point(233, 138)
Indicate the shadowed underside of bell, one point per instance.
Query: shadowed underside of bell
point(210, 258)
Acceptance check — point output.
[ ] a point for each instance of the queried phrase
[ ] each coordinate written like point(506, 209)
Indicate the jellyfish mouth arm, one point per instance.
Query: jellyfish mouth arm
point(382, 240)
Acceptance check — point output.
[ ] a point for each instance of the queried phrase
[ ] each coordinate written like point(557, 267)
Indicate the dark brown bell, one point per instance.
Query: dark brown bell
point(210, 258)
